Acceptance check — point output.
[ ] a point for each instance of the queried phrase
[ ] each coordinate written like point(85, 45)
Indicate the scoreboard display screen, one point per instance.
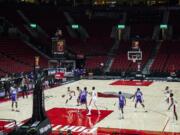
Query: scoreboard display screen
point(58, 46)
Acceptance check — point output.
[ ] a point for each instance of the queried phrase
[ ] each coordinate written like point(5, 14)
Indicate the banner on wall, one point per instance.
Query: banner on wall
point(59, 75)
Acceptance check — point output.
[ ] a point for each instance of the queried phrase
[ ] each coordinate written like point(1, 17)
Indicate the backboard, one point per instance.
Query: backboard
point(134, 55)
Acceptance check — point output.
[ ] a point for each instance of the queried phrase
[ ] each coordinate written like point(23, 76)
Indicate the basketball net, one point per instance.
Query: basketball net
point(134, 60)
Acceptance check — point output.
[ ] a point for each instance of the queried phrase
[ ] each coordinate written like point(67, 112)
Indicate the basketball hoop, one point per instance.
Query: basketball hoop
point(134, 56)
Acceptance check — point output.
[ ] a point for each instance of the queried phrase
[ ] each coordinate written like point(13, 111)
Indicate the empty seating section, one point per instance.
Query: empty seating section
point(18, 57)
point(173, 50)
point(159, 63)
point(93, 63)
point(48, 17)
point(167, 58)
point(2, 73)
point(142, 23)
point(75, 45)
point(96, 25)
point(173, 63)
point(12, 66)
point(91, 46)
point(121, 62)
point(99, 31)
point(160, 59)
point(142, 30)
point(99, 27)
point(13, 17)
point(174, 21)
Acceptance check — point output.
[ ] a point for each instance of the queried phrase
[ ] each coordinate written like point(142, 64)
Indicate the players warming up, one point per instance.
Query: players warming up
point(93, 101)
point(173, 105)
point(138, 96)
point(69, 94)
point(122, 103)
point(14, 98)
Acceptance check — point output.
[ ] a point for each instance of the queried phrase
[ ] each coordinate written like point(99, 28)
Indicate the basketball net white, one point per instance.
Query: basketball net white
point(133, 60)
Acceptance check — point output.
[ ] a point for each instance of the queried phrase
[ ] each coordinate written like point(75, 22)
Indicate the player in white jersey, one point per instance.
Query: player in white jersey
point(70, 94)
point(79, 93)
point(14, 97)
point(167, 93)
point(93, 101)
point(173, 104)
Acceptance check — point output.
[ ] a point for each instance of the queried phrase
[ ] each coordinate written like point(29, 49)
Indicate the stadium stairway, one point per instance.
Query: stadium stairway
point(110, 59)
point(147, 67)
point(108, 64)
point(115, 46)
point(33, 33)
point(37, 50)
point(81, 31)
point(17, 19)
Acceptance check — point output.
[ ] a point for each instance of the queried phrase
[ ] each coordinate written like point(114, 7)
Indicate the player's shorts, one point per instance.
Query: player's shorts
point(14, 99)
point(121, 105)
point(139, 100)
point(83, 100)
point(68, 97)
point(78, 98)
point(94, 100)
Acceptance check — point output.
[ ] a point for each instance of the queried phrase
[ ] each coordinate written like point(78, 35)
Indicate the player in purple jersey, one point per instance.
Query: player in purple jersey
point(138, 96)
point(14, 97)
point(83, 97)
point(122, 103)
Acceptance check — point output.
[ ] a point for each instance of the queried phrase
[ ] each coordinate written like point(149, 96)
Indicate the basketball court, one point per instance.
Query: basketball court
point(158, 120)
